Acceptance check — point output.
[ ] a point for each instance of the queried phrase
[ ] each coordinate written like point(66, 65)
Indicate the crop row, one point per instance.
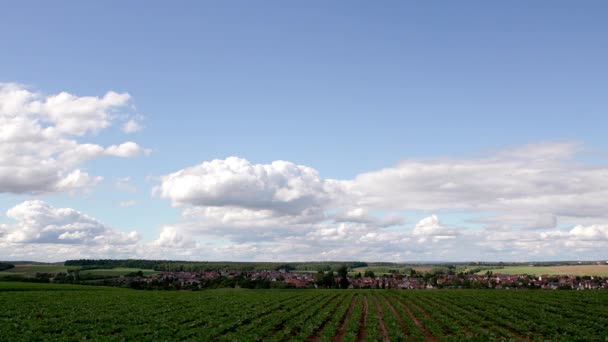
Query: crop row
point(59, 313)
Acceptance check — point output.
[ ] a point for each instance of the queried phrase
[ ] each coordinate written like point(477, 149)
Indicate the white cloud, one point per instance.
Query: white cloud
point(286, 211)
point(593, 232)
point(430, 227)
point(126, 204)
point(132, 126)
point(36, 222)
point(362, 215)
point(78, 115)
point(40, 149)
point(125, 150)
point(540, 182)
point(280, 186)
point(233, 209)
point(171, 237)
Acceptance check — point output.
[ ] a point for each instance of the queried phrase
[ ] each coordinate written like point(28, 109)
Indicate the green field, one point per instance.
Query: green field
point(577, 270)
point(384, 270)
point(67, 312)
point(29, 270)
point(119, 271)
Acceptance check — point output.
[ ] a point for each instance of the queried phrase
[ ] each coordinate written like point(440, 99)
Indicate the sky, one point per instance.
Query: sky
point(299, 131)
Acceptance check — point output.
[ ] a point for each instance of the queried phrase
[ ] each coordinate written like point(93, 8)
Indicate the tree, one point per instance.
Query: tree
point(325, 279)
point(319, 278)
point(344, 283)
point(369, 273)
point(342, 271)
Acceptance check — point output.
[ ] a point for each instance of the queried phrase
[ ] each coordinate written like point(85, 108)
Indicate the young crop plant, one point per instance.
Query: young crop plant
point(410, 325)
point(293, 325)
point(331, 329)
point(372, 326)
point(67, 312)
point(354, 323)
point(392, 321)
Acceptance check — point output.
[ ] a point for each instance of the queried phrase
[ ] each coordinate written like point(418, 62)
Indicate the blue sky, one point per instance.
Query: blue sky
point(343, 88)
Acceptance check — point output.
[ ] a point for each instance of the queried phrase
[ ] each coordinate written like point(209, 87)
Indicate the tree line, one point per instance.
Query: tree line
point(198, 266)
point(6, 266)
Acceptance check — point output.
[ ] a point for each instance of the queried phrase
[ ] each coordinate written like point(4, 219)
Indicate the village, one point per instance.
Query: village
point(286, 279)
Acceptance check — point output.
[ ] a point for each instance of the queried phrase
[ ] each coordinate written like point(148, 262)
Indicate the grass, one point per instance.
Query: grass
point(119, 271)
point(29, 270)
point(384, 270)
point(577, 270)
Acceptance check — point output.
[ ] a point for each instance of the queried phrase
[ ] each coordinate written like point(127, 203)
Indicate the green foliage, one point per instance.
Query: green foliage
point(325, 279)
point(342, 271)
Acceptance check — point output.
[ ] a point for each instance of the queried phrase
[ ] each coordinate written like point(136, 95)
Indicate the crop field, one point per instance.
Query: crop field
point(118, 271)
point(385, 269)
point(580, 270)
point(32, 269)
point(59, 312)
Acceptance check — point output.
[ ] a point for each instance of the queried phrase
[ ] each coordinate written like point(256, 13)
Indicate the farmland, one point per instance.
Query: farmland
point(119, 271)
point(53, 312)
point(576, 270)
point(32, 269)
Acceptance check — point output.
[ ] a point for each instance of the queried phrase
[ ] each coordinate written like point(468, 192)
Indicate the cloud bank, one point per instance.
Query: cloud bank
point(535, 202)
point(531, 202)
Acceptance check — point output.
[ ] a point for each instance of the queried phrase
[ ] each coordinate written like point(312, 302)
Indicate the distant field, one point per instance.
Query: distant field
point(580, 270)
point(32, 269)
point(29, 270)
point(380, 270)
point(118, 271)
point(43, 312)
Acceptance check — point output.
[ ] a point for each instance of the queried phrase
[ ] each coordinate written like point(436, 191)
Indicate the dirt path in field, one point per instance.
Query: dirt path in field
point(342, 330)
point(315, 335)
point(398, 318)
point(427, 334)
point(363, 322)
point(385, 337)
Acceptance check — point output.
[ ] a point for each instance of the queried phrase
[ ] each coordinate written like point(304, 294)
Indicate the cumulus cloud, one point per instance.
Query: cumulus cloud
point(37, 222)
point(280, 186)
point(430, 227)
point(594, 232)
point(514, 198)
point(170, 237)
point(362, 215)
point(40, 150)
point(535, 202)
point(125, 150)
point(132, 126)
point(538, 182)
